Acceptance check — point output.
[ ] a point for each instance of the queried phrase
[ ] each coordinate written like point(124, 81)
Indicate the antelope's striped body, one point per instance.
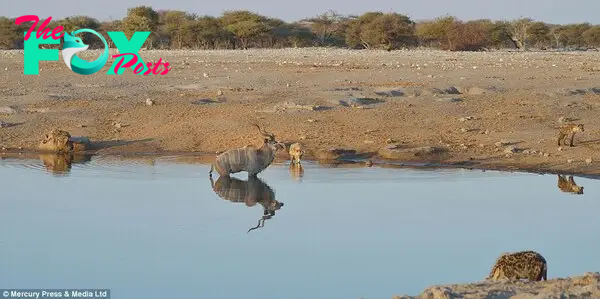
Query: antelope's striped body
point(249, 158)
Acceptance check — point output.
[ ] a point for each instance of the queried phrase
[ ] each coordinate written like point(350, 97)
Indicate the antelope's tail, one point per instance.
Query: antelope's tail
point(212, 167)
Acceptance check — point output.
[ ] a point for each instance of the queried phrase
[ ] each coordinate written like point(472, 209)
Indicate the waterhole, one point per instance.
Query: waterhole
point(152, 227)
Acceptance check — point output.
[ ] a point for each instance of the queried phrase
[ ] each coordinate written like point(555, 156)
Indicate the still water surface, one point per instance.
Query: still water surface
point(160, 231)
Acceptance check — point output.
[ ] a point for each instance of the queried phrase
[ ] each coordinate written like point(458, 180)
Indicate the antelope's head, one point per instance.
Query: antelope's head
point(580, 128)
point(269, 140)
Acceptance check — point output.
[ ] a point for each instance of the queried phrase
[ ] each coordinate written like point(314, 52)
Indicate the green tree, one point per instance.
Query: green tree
point(73, 23)
point(538, 34)
point(436, 32)
point(9, 33)
point(206, 32)
point(572, 34)
point(469, 36)
point(300, 36)
point(175, 24)
point(591, 37)
point(329, 28)
point(246, 26)
point(500, 35)
point(519, 32)
point(390, 30)
point(354, 38)
point(141, 18)
point(113, 25)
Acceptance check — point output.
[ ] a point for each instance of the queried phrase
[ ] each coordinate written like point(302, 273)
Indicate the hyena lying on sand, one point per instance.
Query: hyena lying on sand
point(519, 265)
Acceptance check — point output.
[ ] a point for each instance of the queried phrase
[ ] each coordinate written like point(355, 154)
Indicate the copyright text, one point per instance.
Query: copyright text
point(55, 293)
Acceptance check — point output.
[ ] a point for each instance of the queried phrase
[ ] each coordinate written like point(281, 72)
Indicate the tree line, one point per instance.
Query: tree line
point(242, 29)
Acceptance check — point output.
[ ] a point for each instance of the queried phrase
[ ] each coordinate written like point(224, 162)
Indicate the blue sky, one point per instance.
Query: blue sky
point(552, 11)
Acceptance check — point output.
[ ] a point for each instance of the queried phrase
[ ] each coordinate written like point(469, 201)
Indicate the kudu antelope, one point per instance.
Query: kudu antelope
point(250, 192)
point(249, 158)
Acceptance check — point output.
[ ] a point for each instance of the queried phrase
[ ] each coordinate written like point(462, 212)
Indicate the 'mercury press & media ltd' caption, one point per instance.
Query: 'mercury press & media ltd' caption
point(55, 293)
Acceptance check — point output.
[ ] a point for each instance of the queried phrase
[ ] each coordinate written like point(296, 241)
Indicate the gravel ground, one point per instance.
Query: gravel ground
point(491, 110)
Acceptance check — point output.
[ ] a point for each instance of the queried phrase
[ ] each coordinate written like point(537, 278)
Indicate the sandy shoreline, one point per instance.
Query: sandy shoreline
point(580, 286)
point(495, 110)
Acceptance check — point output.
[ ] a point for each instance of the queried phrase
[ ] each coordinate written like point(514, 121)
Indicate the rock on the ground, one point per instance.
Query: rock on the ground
point(356, 102)
point(476, 90)
point(440, 91)
point(510, 150)
point(334, 153)
point(564, 119)
point(449, 99)
point(295, 107)
point(81, 144)
point(586, 286)
point(390, 92)
point(7, 110)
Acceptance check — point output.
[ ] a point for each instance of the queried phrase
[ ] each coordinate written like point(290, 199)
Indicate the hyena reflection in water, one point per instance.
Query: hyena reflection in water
point(60, 164)
point(569, 186)
point(252, 191)
point(296, 171)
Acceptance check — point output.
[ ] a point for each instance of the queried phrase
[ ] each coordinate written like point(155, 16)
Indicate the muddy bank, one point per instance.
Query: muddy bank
point(476, 110)
point(585, 286)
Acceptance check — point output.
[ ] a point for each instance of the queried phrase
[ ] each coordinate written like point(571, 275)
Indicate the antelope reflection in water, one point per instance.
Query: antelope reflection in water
point(252, 191)
point(296, 171)
point(60, 164)
point(569, 186)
